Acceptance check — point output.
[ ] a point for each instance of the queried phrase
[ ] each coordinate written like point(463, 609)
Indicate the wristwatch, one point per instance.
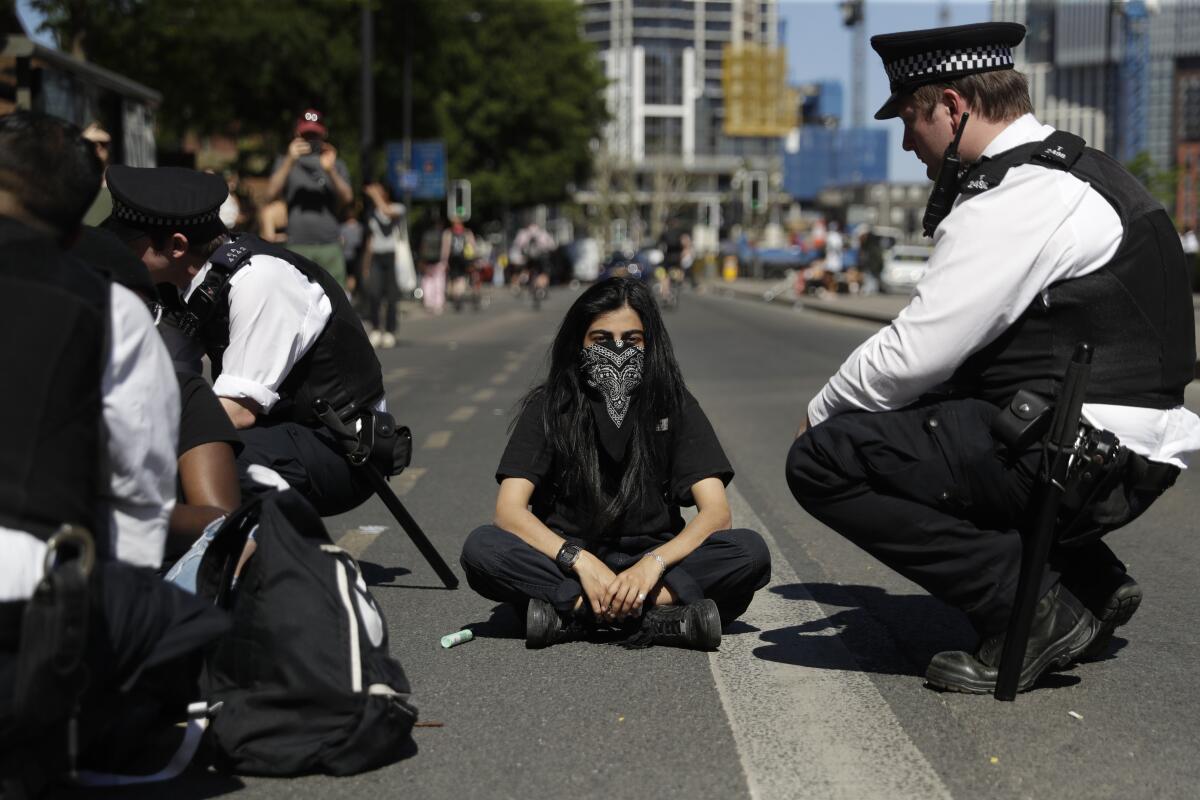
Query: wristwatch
point(568, 554)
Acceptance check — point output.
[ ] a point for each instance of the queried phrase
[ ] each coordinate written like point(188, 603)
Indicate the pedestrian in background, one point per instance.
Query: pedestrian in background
point(433, 268)
point(381, 281)
point(315, 185)
point(102, 142)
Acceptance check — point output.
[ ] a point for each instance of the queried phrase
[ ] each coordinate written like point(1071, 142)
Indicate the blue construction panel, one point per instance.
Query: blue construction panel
point(833, 157)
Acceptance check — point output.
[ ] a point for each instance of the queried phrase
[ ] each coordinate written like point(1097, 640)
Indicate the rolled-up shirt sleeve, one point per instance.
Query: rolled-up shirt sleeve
point(275, 317)
point(993, 255)
point(141, 422)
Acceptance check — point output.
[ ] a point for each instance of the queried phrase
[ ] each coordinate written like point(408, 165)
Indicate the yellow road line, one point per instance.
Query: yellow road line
point(396, 374)
point(483, 394)
point(461, 414)
point(501, 378)
point(355, 542)
point(403, 483)
point(437, 440)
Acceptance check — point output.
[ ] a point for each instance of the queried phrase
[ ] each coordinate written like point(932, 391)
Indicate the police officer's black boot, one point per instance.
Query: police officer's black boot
point(696, 626)
point(1117, 610)
point(546, 625)
point(1062, 630)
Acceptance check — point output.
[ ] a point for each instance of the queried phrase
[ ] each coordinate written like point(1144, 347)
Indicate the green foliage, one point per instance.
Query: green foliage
point(1162, 183)
point(509, 84)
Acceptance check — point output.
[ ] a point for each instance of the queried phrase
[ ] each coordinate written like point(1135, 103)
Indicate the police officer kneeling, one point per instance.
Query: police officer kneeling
point(277, 329)
point(1049, 243)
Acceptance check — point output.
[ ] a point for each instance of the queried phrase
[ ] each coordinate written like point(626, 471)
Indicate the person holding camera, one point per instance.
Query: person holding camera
point(315, 185)
point(278, 330)
point(1040, 242)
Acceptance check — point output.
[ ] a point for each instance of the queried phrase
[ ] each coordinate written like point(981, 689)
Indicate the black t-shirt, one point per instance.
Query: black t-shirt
point(202, 419)
point(692, 453)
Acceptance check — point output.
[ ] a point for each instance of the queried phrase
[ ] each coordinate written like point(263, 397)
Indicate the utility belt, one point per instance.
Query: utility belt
point(1099, 463)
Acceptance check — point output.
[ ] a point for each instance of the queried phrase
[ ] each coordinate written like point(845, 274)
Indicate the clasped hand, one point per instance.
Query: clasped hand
point(615, 596)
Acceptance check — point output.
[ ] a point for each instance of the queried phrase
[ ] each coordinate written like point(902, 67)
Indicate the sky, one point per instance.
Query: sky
point(819, 48)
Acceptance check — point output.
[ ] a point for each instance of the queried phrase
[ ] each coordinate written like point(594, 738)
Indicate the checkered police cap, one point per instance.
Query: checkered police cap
point(916, 58)
point(165, 199)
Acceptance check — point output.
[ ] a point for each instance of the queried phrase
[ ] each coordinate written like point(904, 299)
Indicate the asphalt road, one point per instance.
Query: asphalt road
point(816, 693)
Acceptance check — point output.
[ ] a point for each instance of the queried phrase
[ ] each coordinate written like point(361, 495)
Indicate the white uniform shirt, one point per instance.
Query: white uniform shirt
point(140, 398)
point(275, 317)
point(993, 255)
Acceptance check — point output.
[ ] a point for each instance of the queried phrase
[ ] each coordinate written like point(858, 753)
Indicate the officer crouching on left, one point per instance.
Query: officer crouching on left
point(277, 329)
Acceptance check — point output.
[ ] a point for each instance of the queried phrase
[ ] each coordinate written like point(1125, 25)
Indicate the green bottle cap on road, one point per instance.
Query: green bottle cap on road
point(452, 639)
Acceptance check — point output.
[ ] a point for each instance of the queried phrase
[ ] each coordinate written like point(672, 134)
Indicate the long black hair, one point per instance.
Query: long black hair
point(567, 417)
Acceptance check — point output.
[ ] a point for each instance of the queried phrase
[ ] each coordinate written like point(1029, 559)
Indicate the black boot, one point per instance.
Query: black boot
point(545, 625)
point(696, 626)
point(1062, 630)
point(1117, 610)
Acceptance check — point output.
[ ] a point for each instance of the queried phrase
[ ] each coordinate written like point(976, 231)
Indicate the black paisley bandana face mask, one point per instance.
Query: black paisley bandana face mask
point(613, 370)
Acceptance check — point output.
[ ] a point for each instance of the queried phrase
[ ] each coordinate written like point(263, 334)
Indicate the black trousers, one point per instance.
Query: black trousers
point(729, 567)
point(308, 459)
point(926, 490)
point(383, 291)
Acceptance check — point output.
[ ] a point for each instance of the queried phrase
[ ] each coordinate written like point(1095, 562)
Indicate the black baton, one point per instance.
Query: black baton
point(348, 439)
point(1036, 543)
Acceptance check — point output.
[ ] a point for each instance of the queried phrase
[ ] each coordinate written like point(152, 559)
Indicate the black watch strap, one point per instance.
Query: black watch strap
point(568, 554)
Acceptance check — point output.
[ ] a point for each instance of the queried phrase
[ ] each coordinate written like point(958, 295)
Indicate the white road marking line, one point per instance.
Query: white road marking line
point(437, 440)
point(501, 378)
point(804, 731)
point(461, 414)
point(483, 394)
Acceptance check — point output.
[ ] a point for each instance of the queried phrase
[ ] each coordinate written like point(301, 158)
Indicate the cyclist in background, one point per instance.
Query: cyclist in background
point(458, 252)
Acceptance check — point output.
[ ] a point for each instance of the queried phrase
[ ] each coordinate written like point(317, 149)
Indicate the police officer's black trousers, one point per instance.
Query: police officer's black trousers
point(309, 460)
point(926, 491)
point(729, 567)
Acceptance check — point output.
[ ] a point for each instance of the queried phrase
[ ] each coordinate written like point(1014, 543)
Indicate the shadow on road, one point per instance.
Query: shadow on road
point(875, 632)
point(194, 784)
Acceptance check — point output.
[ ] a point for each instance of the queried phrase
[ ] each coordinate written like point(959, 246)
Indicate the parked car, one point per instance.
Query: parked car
point(903, 266)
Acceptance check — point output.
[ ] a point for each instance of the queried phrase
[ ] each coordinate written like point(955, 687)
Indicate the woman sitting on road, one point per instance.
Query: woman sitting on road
point(606, 451)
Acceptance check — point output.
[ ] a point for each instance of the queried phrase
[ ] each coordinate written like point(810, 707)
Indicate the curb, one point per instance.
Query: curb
point(841, 310)
point(820, 306)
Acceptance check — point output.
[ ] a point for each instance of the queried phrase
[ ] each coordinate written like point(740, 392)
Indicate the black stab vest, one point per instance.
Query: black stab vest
point(340, 367)
point(1136, 310)
point(53, 348)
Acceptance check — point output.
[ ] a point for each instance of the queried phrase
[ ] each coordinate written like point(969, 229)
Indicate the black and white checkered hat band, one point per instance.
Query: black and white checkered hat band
point(950, 63)
point(139, 219)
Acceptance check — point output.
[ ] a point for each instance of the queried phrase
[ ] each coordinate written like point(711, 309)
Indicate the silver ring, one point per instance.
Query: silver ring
point(641, 596)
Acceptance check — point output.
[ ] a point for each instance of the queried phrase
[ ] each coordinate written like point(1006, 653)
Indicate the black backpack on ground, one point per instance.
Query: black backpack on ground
point(304, 680)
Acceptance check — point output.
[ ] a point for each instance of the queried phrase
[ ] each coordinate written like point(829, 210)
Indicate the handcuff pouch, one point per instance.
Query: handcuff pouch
point(1023, 421)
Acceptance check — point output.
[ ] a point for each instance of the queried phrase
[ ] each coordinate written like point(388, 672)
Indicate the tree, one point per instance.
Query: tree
point(1162, 183)
point(510, 85)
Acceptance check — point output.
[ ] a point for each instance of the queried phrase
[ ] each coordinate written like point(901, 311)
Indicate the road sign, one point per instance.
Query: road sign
point(425, 178)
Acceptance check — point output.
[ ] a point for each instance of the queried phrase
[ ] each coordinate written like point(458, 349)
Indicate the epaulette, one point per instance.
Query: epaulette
point(1059, 150)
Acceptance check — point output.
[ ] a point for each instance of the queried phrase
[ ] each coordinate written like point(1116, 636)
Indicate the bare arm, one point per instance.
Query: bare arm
point(514, 516)
point(208, 478)
point(341, 188)
point(631, 588)
point(278, 179)
point(242, 412)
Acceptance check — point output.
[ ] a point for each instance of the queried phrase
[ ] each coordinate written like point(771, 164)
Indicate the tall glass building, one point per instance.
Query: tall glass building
point(1123, 74)
point(663, 59)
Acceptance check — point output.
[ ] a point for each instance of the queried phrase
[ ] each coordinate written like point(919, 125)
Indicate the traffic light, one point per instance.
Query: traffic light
point(459, 202)
point(852, 12)
point(757, 192)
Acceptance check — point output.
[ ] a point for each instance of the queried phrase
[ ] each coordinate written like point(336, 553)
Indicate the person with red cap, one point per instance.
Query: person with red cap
point(315, 185)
